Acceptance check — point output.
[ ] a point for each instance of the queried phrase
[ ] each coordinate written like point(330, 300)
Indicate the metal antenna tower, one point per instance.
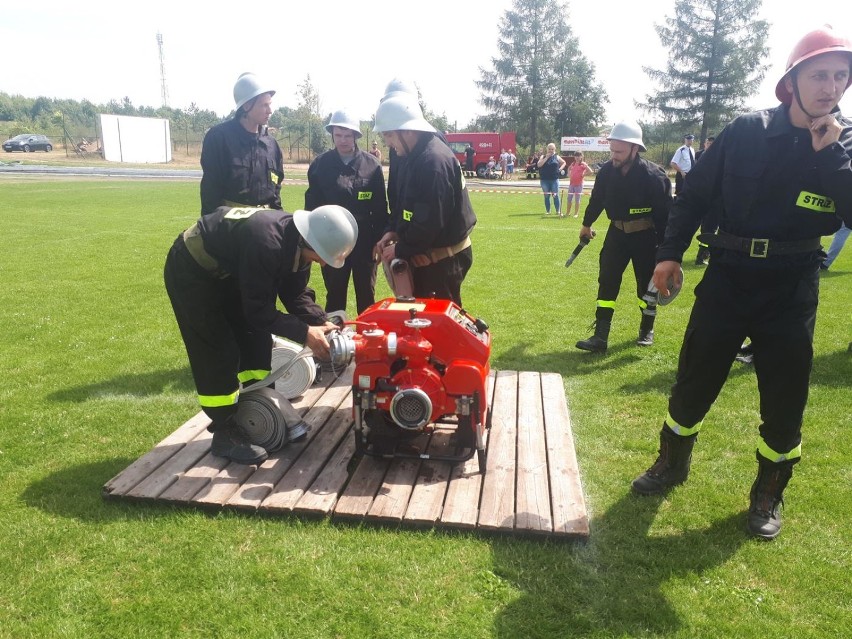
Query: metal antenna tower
point(165, 91)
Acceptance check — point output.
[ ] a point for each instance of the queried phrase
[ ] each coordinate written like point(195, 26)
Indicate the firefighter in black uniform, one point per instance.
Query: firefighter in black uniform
point(785, 180)
point(637, 196)
point(352, 178)
point(431, 228)
point(242, 164)
point(224, 275)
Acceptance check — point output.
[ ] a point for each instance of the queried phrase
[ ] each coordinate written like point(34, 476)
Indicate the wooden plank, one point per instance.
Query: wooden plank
point(299, 477)
point(268, 474)
point(391, 501)
point(359, 493)
point(195, 479)
point(497, 505)
point(149, 462)
point(461, 507)
point(533, 493)
point(569, 507)
point(430, 488)
point(322, 495)
point(223, 485)
point(169, 472)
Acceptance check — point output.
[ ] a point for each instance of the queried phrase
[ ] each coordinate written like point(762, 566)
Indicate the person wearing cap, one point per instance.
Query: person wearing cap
point(224, 276)
point(432, 217)
point(682, 161)
point(784, 179)
point(352, 178)
point(636, 195)
point(241, 163)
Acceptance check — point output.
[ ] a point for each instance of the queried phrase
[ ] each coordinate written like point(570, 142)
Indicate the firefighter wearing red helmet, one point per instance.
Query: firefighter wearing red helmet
point(784, 178)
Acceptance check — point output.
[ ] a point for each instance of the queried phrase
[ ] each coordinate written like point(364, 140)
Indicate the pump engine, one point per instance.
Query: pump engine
point(419, 363)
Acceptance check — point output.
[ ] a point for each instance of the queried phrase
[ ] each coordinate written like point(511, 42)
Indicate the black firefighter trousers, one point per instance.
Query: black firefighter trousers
point(777, 310)
point(620, 248)
point(218, 339)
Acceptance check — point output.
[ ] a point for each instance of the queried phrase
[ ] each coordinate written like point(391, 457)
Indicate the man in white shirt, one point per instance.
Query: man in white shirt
point(683, 161)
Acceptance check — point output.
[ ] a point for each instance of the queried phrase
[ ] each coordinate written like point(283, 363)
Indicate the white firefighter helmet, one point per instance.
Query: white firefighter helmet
point(627, 131)
point(399, 86)
point(401, 113)
point(249, 86)
point(330, 231)
point(343, 119)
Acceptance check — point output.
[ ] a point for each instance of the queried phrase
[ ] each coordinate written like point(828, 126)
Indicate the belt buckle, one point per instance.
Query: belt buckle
point(759, 248)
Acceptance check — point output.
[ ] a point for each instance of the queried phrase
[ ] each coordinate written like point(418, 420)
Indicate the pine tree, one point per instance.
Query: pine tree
point(716, 53)
point(540, 84)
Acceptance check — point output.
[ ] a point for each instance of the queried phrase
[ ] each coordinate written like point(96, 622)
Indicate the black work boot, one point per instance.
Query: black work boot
point(597, 343)
point(767, 496)
point(231, 441)
point(671, 467)
point(646, 330)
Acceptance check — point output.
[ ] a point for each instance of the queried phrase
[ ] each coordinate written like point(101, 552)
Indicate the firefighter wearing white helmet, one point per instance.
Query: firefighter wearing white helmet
point(352, 178)
point(784, 179)
point(431, 215)
point(242, 163)
point(636, 195)
point(224, 276)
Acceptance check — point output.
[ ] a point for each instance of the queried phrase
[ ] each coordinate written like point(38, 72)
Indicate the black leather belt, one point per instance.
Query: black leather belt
point(755, 247)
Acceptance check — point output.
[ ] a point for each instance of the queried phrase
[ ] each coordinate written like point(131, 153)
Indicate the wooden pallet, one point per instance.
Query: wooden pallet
point(531, 485)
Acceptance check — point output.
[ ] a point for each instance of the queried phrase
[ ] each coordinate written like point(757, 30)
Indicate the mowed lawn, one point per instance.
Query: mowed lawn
point(94, 375)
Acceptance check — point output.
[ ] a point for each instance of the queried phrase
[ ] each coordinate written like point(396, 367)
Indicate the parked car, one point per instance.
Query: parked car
point(27, 142)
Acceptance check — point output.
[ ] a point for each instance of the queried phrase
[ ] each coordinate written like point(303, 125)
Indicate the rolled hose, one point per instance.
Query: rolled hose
point(296, 379)
point(266, 414)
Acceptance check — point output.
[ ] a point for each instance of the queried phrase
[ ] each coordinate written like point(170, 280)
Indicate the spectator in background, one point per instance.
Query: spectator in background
point(353, 179)
point(510, 162)
point(469, 154)
point(504, 161)
point(837, 243)
point(550, 166)
point(376, 152)
point(576, 172)
point(682, 161)
point(241, 163)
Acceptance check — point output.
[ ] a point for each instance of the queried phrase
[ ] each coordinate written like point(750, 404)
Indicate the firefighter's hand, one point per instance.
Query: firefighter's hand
point(586, 232)
point(665, 271)
point(316, 340)
point(825, 131)
point(389, 239)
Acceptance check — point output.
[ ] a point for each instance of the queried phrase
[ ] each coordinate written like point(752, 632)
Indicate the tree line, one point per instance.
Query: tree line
point(539, 84)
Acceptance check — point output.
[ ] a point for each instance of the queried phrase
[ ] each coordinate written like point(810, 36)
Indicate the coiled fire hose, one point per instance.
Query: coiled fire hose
point(266, 414)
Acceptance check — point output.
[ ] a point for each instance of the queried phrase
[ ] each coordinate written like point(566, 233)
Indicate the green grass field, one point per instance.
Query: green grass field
point(94, 375)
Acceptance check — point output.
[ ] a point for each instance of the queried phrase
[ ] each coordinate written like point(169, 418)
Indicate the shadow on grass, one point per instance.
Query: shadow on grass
point(829, 368)
point(75, 492)
point(613, 585)
point(141, 384)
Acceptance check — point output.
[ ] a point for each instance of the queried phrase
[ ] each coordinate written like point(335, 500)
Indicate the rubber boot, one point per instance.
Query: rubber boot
point(231, 442)
point(767, 496)
point(646, 330)
point(671, 467)
point(597, 343)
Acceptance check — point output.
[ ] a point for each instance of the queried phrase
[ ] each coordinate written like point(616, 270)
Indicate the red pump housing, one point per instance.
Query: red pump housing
point(418, 362)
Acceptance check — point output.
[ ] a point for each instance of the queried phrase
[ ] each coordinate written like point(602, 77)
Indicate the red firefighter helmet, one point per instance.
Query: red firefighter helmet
point(817, 42)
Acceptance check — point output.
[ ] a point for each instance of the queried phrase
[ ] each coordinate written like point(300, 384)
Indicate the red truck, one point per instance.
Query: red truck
point(485, 145)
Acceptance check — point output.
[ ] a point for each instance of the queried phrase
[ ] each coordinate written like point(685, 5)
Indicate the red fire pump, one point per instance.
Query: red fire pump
point(418, 363)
